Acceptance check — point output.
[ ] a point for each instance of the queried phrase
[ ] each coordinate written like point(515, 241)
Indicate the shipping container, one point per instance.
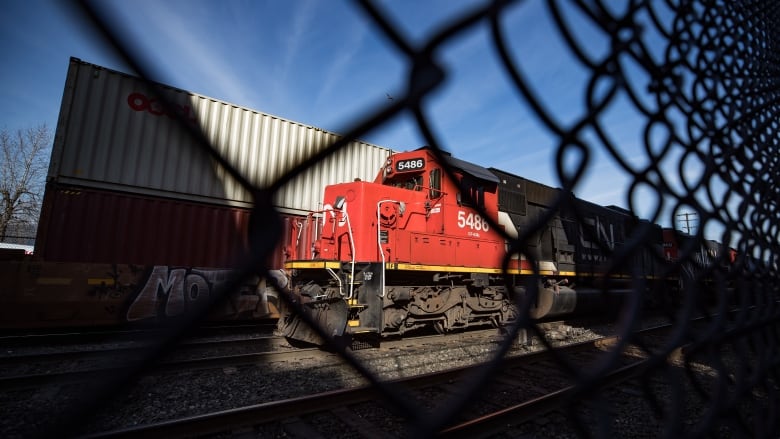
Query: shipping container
point(114, 134)
point(129, 184)
point(87, 225)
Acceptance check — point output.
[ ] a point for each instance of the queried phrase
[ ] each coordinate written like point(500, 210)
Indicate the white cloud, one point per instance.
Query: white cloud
point(294, 37)
point(340, 63)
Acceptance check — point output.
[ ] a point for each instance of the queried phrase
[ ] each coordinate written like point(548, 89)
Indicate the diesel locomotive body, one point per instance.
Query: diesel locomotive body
point(417, 248)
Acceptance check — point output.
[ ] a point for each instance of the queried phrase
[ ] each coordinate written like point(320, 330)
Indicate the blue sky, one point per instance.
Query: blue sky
point(323, 63)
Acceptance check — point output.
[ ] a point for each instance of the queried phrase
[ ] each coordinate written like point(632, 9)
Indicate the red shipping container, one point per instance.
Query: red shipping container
point(98, 226)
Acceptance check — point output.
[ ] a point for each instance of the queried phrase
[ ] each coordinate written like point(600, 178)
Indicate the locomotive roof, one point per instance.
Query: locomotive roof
point(469, 168)
point(472, 169)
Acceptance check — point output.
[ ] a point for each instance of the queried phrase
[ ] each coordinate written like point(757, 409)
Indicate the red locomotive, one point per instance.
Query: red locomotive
point(412, 248)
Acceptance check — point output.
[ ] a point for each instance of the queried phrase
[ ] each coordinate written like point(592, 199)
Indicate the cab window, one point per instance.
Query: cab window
point(472, 192)
point(411, 182)
point(435, 184)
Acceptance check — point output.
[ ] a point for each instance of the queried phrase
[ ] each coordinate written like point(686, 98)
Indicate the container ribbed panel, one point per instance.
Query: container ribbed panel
point(114, 134)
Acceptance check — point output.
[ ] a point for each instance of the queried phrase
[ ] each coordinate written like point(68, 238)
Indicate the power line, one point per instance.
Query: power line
point(687, 220)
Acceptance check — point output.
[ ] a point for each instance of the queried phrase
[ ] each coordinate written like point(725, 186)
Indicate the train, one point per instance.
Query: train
point(415, 248)
point(423, 247)
point(138, 227)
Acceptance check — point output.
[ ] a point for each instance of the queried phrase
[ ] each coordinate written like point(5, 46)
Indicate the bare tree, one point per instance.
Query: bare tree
point(23, 166)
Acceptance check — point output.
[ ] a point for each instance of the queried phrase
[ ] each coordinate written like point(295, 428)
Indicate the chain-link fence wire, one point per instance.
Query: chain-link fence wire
point(711, 99)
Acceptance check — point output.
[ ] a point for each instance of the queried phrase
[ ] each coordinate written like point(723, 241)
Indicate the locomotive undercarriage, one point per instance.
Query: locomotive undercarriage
point(393, 302)
point(445, 308)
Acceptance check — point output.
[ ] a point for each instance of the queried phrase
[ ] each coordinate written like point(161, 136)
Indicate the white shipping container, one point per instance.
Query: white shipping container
point(113, 134)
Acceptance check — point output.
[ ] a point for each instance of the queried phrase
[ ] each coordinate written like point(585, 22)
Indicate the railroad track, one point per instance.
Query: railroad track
point(363, 410)
point(72, 366)
point(63, 358)
point(175, 387)
point(21, 381)
point(91, 336)
point(132, 351)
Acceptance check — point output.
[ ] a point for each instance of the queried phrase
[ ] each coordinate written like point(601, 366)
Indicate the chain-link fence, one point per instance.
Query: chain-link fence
point(703, 76)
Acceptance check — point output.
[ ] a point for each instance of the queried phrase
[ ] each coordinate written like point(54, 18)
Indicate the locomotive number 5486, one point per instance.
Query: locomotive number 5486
point(409, 165)
point(472, 221)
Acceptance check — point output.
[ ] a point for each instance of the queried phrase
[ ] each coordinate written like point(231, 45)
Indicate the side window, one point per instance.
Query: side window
point(478, 193)
point(473, 192)
point(435, 184)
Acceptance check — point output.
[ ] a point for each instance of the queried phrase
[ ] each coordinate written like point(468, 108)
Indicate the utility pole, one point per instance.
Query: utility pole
point(687, 216)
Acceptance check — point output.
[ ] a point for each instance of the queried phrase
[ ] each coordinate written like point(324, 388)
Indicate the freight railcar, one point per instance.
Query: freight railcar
point(415, 248)
point(705, 269)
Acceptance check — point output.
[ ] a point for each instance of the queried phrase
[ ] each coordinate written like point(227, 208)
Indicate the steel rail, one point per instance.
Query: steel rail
point(9, 339)
point(95, 354)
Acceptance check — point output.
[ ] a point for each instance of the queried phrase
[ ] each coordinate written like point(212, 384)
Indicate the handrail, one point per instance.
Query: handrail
point(379, 240)
point(352, 247)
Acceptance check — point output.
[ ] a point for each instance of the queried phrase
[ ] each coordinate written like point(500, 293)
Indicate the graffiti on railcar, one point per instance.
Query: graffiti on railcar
point(169, 292)
point(55, 294)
